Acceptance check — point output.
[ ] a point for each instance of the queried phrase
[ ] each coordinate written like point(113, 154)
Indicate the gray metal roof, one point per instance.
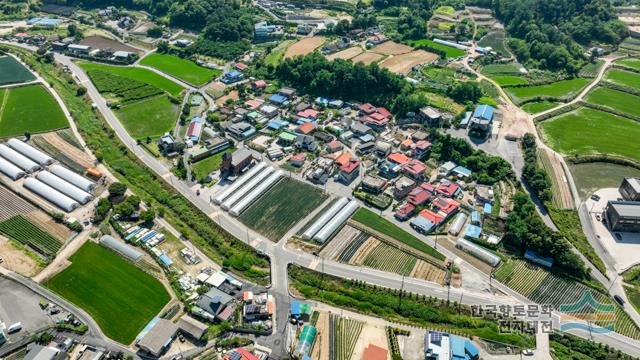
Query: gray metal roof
point(635, 184)
point(626, 208)
point(158, 337)
point(120, 247)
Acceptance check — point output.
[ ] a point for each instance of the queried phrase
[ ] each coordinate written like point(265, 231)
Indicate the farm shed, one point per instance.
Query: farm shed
point(72, 177)
point(478, 252)
point(159, 337)
point(192, 327)
point(18, 159)
point(334, 224)
point(10, 170)
point(459, 221)
point(121, 248)
point(238, 183)
point(244, 190)
point(64, 187)
point(50, 194)
point(30, 152)
point(325, 218)
point(472, 232)
point(257, 192)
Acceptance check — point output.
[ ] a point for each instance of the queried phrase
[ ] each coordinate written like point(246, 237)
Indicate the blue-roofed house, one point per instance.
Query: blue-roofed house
point(166, 261)
point(472, 232)
point(482, 120)
point(457, 348)
point(461, 171)
point(277, 124)
point(475, 218)
point(231, 77)
point(278, 100)
point(471, 350)
point(487, 209)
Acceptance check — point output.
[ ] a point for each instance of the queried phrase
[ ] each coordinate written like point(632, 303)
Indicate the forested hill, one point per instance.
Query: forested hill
point(553, 34)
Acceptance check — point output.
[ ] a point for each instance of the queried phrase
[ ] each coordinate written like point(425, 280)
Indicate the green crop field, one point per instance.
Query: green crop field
point(625, 78)
point(29, 108)
point(565, 89)
point(616, 100)
point(12, 72)
point(591, 69)
point(185, 70)
point(280, 208)
point(23, 231)
point(204, 167)
point(590, 177)
point(387, 258)
point(150, 117)
point(445, 10)
point(450, 52)
point(509, 80)
point(632, 63)
point(539, 106)
point(139, 74)
point(120, 297)
point(501, 69)
point(495, 40)
point(589, 131)
point(378, 223)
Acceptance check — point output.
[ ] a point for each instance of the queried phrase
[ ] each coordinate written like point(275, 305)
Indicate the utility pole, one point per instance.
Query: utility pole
point(436, 247)
point(401, 291)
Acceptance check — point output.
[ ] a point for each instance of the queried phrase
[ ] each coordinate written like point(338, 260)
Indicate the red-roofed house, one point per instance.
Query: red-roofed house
point(430, 188)
point(449, 190)
point(415, 169)
point(404, 211)
point(373, 352)
point(344, 158)
point(406, 144)
point(239, 354)
point(376, 121)
point(349, 171)
point(253, 104)
point(419, 196)
point(383, 111)
point(435, 218)
point(398, 158)
point(308, 114)
point(298, 159)
point(259, 85)
point(306, 128)
point(334, 146)
point(367, 109)
point(446, 206)
point(241, 66)
point(421, 149)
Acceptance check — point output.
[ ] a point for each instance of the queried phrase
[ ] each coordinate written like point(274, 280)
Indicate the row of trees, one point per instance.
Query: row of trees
point(535, 176)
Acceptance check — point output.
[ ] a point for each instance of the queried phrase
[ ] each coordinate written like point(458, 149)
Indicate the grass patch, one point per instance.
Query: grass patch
point(185, 70)
point(488, 101)
point(139, 74)
point(591, 69)
point(505, 80)
point(443, 102)
point(445, 10)
point(378, 223)
point(589, 131)
point(565, 89)
point(277, 54)
point(501, 69)
point(206, 166)
point(150, 117)
point(625, 78)
point(120, 297)
point(29, 108)
point(450, 52)
point(592, 176)
point(616, 100)
point(280, 208)
point(539, 106)
point(632, 63)
point(12, 72)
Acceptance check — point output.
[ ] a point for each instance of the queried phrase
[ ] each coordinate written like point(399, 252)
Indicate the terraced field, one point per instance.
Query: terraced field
point(616, 100)
point(543, 287)
point(12, 72)
point(183, 69)
point(539, 106)
point(624, 78)
point(29, 108)
point(506, 80)
point(632, 63)
point(565, 89)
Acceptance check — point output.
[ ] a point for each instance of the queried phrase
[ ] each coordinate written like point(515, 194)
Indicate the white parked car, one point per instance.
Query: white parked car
point(527, 352)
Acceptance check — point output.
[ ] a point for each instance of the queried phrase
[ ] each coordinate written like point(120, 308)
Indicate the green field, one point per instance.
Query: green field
point(450, 52)
point(501, 69)
point(120, 297)
point(378, 223)
point(445, 10)
point(632, 63)
point(280, 208)
point(23, 231)
point(539, 106)
point(29, 108)
point(617, 100)
point(565, 89)
point(204, 167)
point(139, 74)
point(503, 80)
point(625, 78)
point(12, 72)
point(151, 117)
point(591, 69)
point(495, 40)
point(277, 54)
point(590, 177)
point(185, 70)
point(589, 131)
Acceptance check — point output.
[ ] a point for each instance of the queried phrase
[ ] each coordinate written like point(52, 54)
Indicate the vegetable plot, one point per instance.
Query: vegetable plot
point(23, 231)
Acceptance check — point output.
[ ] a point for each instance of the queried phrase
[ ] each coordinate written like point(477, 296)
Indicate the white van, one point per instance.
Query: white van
point(14, 328)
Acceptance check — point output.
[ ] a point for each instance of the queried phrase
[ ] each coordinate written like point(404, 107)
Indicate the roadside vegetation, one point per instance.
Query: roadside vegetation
point(569, 347)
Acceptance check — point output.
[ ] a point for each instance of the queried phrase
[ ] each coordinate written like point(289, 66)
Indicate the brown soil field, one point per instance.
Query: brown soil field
point(320, 350)
point(367, 58)
point(12, 204)
point(69, 150)
point(45, 222)
point(99, 42)
point(17, 260)
point(304, 46)
point(424, 270)
point(402, 64)
point(346, 54)
point(391, 48)
point(364, 250)
point(231, 95)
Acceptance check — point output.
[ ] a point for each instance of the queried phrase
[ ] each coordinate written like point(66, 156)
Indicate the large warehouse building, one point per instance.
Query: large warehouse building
point(623, 216)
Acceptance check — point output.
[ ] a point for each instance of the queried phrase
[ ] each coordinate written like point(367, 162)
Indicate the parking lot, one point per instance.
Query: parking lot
point(19, 304)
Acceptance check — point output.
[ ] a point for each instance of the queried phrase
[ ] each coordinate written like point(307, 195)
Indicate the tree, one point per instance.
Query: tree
point(163, 47)
point(465, 91)
point(102, 209)
point(148, 215)
point(117, 189)
point(27, 136)
point(154, 32)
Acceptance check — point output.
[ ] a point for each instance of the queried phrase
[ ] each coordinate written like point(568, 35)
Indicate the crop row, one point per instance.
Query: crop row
point(21, 230)
point(352, 248)
point(387, 258)
point(11, 205)
point(128, 90)
point(343, 335)
point(523, 277)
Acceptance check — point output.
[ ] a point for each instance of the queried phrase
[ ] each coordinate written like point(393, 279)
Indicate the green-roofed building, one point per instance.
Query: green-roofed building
point(287, 138)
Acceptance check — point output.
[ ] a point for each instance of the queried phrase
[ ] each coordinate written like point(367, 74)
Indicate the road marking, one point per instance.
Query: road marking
point(314, 264)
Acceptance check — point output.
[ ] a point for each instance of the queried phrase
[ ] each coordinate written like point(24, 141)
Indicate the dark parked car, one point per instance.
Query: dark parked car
point(618, 299)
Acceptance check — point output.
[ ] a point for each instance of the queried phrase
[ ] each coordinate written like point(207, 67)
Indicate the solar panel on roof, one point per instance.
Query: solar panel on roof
point(436, 336)
point(235, 355)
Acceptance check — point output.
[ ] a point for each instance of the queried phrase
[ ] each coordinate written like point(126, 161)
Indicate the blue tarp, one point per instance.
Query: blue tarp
point(165, 260)
point(534, 257)
point(472, 231)
point(484, 112)
point(278, 99)
point(488, 208)
point(462, 171)
point(457, 347)
point(295, 308)
point(197, 120)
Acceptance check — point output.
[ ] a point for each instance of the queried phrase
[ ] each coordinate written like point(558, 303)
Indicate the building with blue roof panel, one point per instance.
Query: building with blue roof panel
point(276, 124)
point(295, 308)
point(471, 350)
point(457, 348)
point(232, 77)
point(488, 209)
point(165, 260)
point(461, 171)
point(484, 112)
point(482, 120)
point(278, 99)
point(472, 232)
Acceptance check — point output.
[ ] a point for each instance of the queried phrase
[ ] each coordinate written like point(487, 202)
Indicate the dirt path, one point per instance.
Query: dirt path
point(61, 261)
point(563, 195)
